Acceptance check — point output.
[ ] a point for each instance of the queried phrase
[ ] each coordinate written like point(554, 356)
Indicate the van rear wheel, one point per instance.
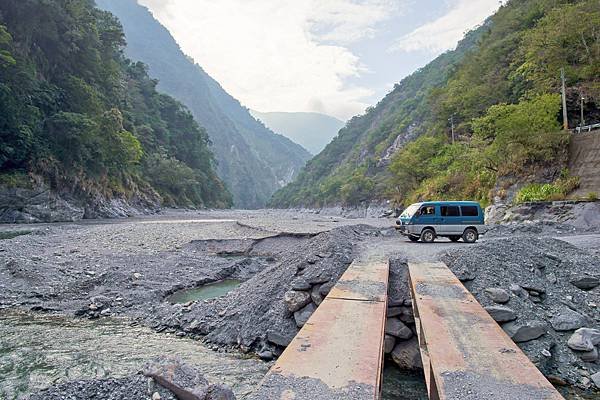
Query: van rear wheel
point(428, 235)
point(470, 235)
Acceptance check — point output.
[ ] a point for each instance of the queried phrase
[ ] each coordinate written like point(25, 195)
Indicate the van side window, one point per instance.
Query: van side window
point(450, 211)
point(427, 210)
point(469, 211)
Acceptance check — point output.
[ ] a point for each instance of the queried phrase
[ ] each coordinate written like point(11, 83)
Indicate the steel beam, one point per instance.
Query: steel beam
point(338, 353)
point(465, 353)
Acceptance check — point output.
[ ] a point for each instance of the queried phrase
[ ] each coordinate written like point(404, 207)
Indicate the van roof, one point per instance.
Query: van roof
point(454, 203)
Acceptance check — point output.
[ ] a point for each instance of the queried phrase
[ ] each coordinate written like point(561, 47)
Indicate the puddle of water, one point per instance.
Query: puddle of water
point(405, 385)
point(204, 292)
point(37, 351)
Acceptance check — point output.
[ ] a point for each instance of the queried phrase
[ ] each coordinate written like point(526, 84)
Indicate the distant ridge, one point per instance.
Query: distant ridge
point(312, 130)
point(252, 160)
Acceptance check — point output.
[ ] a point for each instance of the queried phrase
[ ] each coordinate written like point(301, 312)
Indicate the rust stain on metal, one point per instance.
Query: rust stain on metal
point(338, 354)
point(466, 355)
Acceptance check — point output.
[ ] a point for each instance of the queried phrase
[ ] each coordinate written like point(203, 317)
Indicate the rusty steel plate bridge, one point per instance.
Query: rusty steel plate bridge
point(338, 353)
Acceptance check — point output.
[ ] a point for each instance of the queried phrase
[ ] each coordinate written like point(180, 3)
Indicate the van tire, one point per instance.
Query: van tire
point(454, 238)
point(470, 235)
point(428, 235)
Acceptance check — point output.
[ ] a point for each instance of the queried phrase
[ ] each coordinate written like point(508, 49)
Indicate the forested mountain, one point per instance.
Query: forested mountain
point(80, 119)
point(252, 160)
point(311, 130)
point(501, 89)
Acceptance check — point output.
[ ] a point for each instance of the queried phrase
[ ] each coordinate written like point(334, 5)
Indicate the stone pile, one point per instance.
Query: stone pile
point(545, 294)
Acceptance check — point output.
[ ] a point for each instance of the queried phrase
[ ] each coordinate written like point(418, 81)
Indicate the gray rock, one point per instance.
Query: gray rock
point(219, 392)
point(584, 339)
point(394, 311)
point(406, 355)
point(300, 284)
point(396, 328)
point(279, 339)
point(266, 355)
point(173, 374)
point(497, 295)
point(304, 314)
point(588, 356)
point(388, 344)
point(568, 320)
point(315, 295)
point(325, 288)
point(596, 379)
point(551, 277)
point(295, 300)
point(585, 282)
point(501, 313)
point(524, 331)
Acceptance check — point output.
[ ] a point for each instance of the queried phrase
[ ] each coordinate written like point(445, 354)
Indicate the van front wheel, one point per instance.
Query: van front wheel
point(470, 235)
point(428, 235)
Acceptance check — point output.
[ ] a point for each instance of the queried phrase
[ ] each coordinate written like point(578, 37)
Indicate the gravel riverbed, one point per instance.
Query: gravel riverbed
point(287, 262)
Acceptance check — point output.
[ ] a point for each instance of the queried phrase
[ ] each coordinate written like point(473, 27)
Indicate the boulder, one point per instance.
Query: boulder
point(301, 316)
point(568, 320)
point(394, 311)
point(300, 284)
point(219, 392)
point(596, 379)
point(524, 331)
point(325, 288)
point(584, 339)
point(406, 355)
point(396, 328)
point(501, 313)
point(280, 339)
point(589, 356)
point(181, 379)
point(315, 295)
point(497, 295)
point(388, 344)
point(295, 300)
point(585, 282)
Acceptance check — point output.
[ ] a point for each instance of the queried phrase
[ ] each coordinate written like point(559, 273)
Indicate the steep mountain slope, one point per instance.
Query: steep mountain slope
point(501, 89)
point(311, 130)
point(252, 160)
point(83, 132)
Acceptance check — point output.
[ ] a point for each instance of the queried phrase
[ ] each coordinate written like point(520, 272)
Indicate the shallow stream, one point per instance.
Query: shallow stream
point(38, 350)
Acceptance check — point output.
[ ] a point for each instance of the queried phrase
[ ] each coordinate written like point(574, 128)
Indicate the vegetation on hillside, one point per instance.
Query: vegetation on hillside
point(252, 160)
point(501, 89)
point(76, 113)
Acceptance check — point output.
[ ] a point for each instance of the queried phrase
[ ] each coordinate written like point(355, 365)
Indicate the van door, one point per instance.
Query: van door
point(428, 215)
point(471, 215)
point(451, 220)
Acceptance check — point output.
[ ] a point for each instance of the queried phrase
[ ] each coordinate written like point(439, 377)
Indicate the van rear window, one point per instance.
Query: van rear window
point(450, 211)
point(469, 211)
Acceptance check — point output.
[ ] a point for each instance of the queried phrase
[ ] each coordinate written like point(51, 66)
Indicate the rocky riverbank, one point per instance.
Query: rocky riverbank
point(543, 290)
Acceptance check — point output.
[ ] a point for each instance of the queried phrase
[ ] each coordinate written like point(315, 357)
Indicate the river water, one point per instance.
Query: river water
point(39, 350)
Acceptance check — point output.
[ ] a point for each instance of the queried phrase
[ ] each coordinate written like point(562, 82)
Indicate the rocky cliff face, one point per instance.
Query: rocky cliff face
point(40, 203)
point(252, 160)
point(584, 162)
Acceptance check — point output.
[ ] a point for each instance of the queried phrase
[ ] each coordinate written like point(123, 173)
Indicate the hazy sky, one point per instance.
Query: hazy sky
point(331, 56)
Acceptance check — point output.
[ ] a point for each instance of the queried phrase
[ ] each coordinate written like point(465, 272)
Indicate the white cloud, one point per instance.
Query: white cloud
point(445, 32)
point(279, 55)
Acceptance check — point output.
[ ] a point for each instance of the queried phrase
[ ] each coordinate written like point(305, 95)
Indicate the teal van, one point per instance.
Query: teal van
point(452, 219)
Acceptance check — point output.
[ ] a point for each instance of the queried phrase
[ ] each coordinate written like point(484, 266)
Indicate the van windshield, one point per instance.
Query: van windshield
point(410, 211)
